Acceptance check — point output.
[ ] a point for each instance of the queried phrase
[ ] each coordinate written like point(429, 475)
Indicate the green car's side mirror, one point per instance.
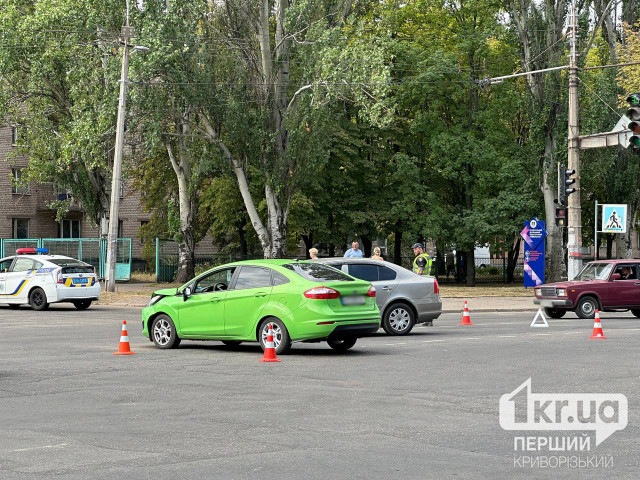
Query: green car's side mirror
point(186, 293)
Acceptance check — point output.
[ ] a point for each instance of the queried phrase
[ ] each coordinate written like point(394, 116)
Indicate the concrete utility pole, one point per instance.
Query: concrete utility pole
point(574, 244)
point(112, 239)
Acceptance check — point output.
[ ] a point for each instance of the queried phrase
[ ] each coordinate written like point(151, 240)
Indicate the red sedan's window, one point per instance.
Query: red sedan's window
point(627, 271)
point(595, 271)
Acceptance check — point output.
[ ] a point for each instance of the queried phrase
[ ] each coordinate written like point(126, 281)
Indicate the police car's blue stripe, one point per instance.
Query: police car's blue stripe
point(15, 292)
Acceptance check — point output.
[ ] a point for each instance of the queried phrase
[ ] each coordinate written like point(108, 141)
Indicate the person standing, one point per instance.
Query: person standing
point(354, 251)
point(376, 254)
point(422, 262)
point(313, 253)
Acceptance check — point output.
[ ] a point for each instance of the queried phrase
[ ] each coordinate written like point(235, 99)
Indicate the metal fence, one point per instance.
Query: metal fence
point(167, 260)
point(487, 270)
point(90, 250)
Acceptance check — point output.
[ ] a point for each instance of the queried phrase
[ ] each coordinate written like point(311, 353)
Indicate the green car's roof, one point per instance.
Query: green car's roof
point(269, 261)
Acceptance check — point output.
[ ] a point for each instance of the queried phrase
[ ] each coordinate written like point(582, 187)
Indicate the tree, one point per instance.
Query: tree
point(59, 70)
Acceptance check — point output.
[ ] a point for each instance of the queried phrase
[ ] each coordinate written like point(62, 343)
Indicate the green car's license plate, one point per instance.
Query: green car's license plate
point(353, 300)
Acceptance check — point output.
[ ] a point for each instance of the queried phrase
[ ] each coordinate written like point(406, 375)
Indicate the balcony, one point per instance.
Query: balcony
point(45, 197)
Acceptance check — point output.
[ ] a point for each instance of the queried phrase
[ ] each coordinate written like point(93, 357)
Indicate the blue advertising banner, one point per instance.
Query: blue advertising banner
point(534, 251)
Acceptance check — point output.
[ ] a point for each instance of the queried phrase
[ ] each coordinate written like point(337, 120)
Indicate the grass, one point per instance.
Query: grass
point(484, 290)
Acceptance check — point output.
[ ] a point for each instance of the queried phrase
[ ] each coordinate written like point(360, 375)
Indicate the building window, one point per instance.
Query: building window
point(20, 227)
point(14, 135)
point(69, 229)
point(16, 186)
point(120, 228)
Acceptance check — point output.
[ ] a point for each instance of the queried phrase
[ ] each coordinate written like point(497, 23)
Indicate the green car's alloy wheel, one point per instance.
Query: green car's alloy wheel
point(164, 332)
point(280, 335)
point(342, 344)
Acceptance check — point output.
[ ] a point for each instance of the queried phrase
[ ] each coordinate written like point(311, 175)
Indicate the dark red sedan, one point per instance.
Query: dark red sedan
point(606, 285)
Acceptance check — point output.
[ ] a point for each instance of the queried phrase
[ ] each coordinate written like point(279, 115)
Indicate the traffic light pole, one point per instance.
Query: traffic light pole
point(574, 221)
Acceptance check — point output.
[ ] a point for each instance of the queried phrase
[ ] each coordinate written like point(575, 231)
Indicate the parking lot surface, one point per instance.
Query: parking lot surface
point(421, 406)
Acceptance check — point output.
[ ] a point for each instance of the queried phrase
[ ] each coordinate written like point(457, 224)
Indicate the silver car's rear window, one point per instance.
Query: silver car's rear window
point(315, 272)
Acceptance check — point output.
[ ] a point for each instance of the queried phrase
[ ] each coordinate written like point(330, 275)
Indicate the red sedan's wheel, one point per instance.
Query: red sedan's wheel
point(587, 307)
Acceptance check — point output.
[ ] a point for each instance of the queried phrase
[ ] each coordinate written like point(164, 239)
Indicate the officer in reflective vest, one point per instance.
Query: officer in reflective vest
point(422, 262)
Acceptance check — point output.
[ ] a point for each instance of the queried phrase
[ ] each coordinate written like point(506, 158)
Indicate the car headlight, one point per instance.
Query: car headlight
point(155, 299)
point(538, 292)
point(562, 292)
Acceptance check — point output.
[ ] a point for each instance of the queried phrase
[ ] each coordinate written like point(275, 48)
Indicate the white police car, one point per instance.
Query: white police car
point(34, 278)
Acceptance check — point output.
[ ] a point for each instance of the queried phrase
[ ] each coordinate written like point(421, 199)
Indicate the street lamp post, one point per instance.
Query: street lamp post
point(112, 238)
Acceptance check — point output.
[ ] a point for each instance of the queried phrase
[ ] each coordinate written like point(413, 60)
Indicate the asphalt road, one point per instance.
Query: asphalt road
point(422, 406)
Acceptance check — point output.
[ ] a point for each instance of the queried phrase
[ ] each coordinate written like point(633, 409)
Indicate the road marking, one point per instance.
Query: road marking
point(59, 445)
point(508, 336)
point(431, 341)
point(541, 334)
point(471, 338)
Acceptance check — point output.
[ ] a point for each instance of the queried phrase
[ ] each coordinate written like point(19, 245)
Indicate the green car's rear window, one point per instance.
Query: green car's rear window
point(316, 272)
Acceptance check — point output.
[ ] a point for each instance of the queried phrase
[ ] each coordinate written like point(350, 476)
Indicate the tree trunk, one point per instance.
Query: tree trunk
point(366, 245)
point(471, 268)
point(512, 259)
point(625, 247)
point(332, 249)
point(186, 256)
point(397, 245)
point(609, 246)
point(242, 238)
point(308, 244)
point(186, 245)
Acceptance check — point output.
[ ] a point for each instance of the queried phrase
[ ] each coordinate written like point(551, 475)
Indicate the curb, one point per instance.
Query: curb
point(480, 310)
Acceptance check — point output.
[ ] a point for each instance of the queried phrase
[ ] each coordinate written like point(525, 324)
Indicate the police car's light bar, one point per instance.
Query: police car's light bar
point(31, 251)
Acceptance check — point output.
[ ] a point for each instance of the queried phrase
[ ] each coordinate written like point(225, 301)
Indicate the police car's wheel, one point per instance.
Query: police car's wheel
point(38, 299)
point(398, 319)
point(163, 332)
point(82, 304)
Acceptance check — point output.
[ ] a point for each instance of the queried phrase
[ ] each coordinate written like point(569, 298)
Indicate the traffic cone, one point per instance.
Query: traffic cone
point(466, 320)
point(123, 348)
point(597, 327)
point(270, 348)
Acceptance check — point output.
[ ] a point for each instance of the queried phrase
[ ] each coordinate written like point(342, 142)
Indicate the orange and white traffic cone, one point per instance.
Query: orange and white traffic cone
point(124, 348)
point(597, 327)
point(466, 320)
point(270, 348)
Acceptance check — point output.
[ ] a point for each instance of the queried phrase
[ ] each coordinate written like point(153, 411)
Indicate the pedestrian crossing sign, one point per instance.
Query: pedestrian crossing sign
point(614, 218)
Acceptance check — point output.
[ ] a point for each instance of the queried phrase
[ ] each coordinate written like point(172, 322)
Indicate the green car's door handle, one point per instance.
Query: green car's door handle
point(216, 299)
point(261, 294)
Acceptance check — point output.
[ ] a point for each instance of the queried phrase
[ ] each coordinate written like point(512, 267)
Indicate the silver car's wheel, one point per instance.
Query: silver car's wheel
point(398, 319)
point(164, 333)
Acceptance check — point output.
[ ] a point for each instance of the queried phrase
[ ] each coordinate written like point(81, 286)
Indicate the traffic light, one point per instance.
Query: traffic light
point(561, 216)
point(565, 181)
point(634, 114)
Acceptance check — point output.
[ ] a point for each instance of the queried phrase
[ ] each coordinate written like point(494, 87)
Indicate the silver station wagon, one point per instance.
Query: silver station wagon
point(403, 297)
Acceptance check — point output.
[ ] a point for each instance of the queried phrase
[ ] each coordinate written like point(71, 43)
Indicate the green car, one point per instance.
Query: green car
point(235, 303)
